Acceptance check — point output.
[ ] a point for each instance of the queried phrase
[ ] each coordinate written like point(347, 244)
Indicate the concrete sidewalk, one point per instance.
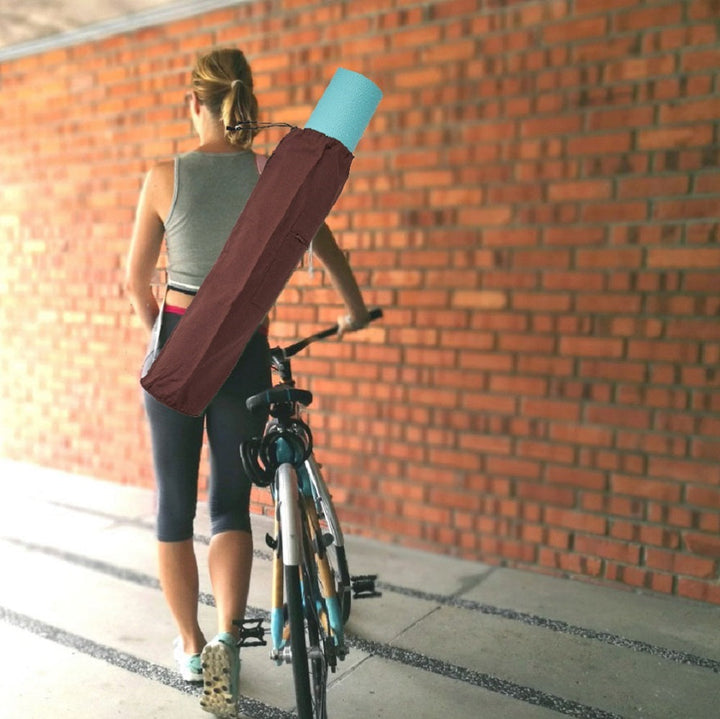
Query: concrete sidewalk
point(86, 634)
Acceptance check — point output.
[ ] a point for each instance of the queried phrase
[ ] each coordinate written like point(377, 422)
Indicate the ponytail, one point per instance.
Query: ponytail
point(239, 106)
point(222, 80)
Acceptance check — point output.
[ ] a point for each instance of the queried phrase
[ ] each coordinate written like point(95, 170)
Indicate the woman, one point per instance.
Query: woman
point(193, 202)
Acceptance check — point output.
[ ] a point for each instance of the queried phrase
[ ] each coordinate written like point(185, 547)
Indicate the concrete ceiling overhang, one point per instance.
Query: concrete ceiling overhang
point(34, 26)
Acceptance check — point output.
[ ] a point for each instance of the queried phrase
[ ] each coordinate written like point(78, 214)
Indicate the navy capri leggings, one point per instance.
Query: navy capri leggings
point(177, 441)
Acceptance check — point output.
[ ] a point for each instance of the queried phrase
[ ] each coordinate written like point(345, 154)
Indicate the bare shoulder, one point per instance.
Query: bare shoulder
point(159, 186)
point(161, 174)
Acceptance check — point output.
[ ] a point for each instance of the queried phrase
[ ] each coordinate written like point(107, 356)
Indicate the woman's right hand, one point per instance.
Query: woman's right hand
point(352, 323)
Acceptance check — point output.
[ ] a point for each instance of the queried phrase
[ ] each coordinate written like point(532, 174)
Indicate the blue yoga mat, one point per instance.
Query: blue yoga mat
point(345, 108)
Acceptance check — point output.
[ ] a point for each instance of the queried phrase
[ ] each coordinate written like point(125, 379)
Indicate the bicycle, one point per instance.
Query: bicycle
point(312, 588)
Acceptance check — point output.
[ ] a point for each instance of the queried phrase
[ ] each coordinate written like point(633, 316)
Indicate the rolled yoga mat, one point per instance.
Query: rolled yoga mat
point(300, 183)
point(345, 108)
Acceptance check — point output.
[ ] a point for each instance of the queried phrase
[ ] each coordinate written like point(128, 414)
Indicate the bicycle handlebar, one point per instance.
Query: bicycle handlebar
point(293, 349)
point(286, 393)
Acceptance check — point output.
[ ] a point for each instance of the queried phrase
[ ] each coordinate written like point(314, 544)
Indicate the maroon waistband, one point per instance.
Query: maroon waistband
point(174, 310)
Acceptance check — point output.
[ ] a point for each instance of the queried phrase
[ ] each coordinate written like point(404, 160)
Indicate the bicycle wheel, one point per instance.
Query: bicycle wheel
point(296, 620)
point(333, 536)
point(317, 625)
point(292, 538)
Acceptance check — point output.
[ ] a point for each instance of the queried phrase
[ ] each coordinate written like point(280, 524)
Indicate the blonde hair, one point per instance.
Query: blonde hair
point(222, 81)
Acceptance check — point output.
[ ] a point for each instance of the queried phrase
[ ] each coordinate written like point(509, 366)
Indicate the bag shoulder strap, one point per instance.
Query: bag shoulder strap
point(260, 161)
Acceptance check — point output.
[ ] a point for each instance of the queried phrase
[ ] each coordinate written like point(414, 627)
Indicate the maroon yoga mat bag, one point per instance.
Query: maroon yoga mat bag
point(299, 185)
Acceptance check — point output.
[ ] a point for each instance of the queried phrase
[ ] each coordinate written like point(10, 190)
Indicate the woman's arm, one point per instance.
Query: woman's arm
point(343, 280)
point(147, 237)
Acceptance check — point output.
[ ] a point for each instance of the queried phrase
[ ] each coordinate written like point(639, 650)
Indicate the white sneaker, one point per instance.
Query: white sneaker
point(189, 665)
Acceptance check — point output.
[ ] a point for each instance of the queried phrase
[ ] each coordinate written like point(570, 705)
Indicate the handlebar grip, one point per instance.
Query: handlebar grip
point(375, 314)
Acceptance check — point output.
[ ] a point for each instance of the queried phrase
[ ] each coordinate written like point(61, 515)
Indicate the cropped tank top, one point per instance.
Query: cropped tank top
point(211, 190)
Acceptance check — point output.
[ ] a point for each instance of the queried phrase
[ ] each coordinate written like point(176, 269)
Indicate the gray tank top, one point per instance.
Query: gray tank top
point(211, 190)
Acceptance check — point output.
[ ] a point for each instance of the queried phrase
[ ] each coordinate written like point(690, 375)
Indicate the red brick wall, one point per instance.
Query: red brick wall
point(536, 208)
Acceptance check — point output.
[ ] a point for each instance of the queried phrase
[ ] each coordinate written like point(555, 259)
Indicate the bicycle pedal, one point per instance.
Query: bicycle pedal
point(271, 541)
point(252, 632)
point(363, 586)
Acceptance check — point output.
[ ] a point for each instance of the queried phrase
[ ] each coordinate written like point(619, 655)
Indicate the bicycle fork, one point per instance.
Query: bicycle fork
point(290, 544)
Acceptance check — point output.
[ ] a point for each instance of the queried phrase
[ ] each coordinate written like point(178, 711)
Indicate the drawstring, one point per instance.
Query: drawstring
point(249, 125)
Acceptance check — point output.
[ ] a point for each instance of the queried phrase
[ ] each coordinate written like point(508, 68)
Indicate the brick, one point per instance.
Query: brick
point(483, 216)
point(555, 366)
point(546, 451)
point(578, 521)
point(581, 434)
point(580, 190)
point(653, 186)
point(639, 68)
point(563, 125)
point(662, 351)
point(608, 549)
point(706, 109)
point(479, 299)
point(574, 30)
point(680, 563)
point(610, 258)
point(591, 347)
point(550, 409)
point(650, 17)
point(614, 212)
point(466, 340)
point(618, 415)
point(702, 591)
point(600, 143)
point(510, 384)
point(650, 489)
point(541, 302)
point(638, 577)
point(512, 467)
point(694, 257)
point(526, 343)
point(687, 208)
point(671, 138)
point(699, 60)
point(702, 544)
point(706, 449)
point(688, 470)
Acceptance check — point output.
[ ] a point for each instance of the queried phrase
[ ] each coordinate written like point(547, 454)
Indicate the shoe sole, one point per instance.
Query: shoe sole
point(217, 696)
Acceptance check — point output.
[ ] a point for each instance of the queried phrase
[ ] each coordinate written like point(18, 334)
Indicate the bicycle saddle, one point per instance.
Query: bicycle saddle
point(279, 395)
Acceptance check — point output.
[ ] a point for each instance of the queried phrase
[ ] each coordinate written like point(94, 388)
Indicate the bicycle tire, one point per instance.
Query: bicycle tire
point(296, 619)
point(344, 583)
point(292, 552)
point(316, 634)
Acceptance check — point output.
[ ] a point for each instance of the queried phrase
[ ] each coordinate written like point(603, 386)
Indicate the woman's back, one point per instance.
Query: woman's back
point(210, 192)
